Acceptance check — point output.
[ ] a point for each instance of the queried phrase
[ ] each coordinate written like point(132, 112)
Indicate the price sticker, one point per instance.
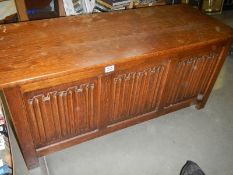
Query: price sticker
point(109, 69)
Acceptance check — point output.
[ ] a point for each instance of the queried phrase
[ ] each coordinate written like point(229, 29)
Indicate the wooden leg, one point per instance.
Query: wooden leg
point(19, 119)
point(61, 8)
point(201, 104)
point(22, 10)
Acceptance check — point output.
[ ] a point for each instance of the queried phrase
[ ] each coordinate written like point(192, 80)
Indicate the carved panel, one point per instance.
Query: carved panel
point(190, 78)
point(56, 115)
point(131, 94)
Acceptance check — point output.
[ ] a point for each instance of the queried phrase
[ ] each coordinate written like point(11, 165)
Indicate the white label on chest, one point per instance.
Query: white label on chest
point(109, 69)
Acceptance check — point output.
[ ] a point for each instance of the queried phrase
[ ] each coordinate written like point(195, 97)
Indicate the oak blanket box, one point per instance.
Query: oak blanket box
point(72, 79)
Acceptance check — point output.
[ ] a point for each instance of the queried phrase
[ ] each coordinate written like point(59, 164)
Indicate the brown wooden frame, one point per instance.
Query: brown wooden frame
point(67, 101)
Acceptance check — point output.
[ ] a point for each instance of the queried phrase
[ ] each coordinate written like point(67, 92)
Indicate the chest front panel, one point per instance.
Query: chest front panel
point(61, 112)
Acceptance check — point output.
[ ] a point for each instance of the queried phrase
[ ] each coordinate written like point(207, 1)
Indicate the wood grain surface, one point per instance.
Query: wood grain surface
point(48, 48)
point(52, 72)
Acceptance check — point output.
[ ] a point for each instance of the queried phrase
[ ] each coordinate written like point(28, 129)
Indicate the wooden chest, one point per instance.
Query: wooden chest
point(72, 79)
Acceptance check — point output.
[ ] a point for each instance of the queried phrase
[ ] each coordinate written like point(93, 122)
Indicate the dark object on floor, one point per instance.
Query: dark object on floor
point(231, 50)
point(171, 2)
point(228, 5)
point(191, 168)
point(196, 3)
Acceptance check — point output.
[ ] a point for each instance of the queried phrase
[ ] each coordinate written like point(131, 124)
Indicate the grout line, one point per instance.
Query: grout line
point(44, 166)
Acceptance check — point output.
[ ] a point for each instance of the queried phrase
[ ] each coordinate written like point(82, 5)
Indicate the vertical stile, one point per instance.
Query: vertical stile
point(50, 126)
point(153, 87)
point(33, 121)
point(172, 85)
point(162, 79)
point(39, 120)
point(82, 111)
point(77, 111)
point(135, 91)
point(174, 90)
point(179, 87)
point(187, 92)
point(181, 83)
point(147, 90)
point(121, 106)
point(131, 94)
point(140, 93)
point(189, 64)
point(213, 61)
point(160, 75)
point(92, 119)
point(70, 110)
point(113, 99)
point(87, 119)
point(201, 76)
point(197, 77)
point(54, 108)
point(117, 98)
point(152, 83)
point(108, 98)
point(126, 96)
point(62, 113)
point(66, 114)
point(205, 73)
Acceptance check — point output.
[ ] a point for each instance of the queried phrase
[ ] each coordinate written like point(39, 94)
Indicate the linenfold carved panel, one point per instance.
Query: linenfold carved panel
point(59, 114)
point(191, 77)
point(132, 94)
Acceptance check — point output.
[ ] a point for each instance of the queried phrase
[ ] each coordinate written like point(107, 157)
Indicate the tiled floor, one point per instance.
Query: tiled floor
point(162, 145)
